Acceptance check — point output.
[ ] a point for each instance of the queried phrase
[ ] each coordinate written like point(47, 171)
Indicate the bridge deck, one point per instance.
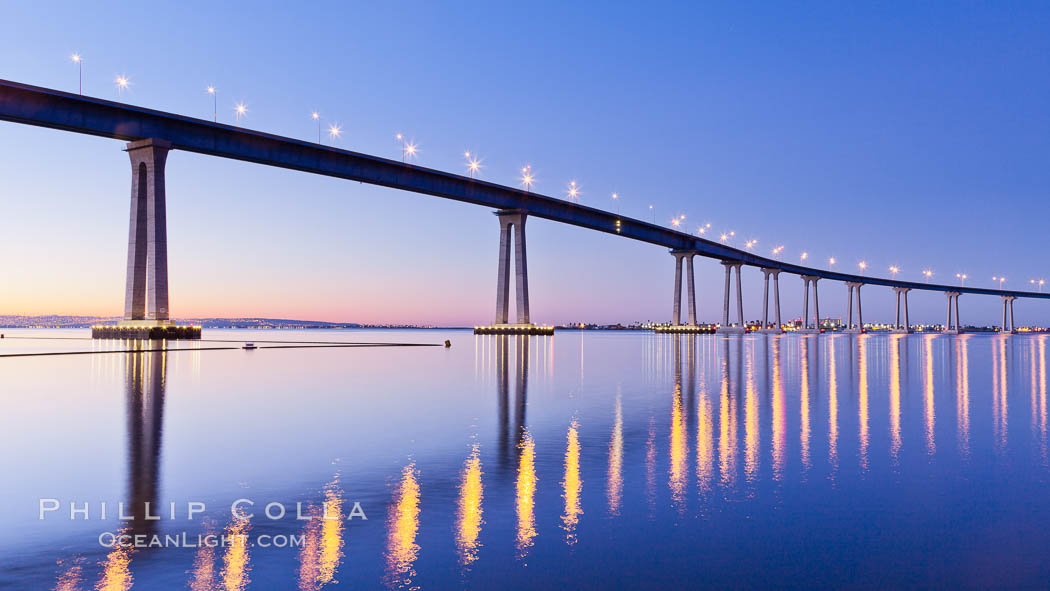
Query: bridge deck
point(43, 107)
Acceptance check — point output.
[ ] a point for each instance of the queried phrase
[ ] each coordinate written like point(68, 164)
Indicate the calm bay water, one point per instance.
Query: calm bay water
point(583, 460)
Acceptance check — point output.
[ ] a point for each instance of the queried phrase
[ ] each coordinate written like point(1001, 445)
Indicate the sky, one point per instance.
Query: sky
point(895, 133)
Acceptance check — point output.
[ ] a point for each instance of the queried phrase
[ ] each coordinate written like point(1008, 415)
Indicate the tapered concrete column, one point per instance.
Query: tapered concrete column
point(849, 306)
point(807, 281)
point(775, 273)
point(725, 306)
point(725, 327)
point(676, 313)
point(1013, 327)
point(691, 285)
point(512, 220)
point(146, 290)
point(902, 294)
point(953, 301)
point(739, 298)
point(776, 298)
point(1008, 307)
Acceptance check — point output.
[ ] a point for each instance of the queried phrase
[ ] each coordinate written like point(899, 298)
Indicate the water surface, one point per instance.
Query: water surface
point(582, 460)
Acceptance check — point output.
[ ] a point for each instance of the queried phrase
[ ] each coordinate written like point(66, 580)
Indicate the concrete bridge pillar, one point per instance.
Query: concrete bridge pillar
point(1008, 307)
point(680, 257)
point(808, 280)
point(902, 292)
point(725, 327)
point(778, 327)
point(146, 291)
point(854, 286)
point(512, 219)
point(953, 302)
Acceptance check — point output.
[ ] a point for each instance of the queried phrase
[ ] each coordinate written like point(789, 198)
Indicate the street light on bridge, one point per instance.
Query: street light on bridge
point(831, 263)
point(927, 273)
point(962, 278)
point(863, 265)
point(616, 200)
point(410, 151)
point(333, 132)
point(1000, 280)
point(317, 117)
point(122, 83)
point(473, 163)
point(214, 104)
point(80, 66)
point(573, 192)
point(527, 178)
point(240, 111)
point(894, 270)
point(1038, 282)
point(802, 257)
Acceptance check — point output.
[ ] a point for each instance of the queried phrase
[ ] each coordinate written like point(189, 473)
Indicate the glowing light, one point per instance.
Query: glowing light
point(723, 237)
point(573, 192)
point(211, 90)
point(240, 111)
point(116, 574)
point(468, 518)
point(572, 484)
point(1000, 280)
point(333, 132)
point(473, 164)
point(526, 495)
point(122, 83)
point(678, 449)
point(831, 262)
point(614, 490)
point(403, 525)
point(962, 277)
point(76, 58)
point(863, 265)
point(411, 150)
point(236, 560)
point(804, 256)
point(927, 273)
point(527, 177)
point(894, 270)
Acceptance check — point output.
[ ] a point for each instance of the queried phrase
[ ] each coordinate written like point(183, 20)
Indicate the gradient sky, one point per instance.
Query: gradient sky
point(916, 136)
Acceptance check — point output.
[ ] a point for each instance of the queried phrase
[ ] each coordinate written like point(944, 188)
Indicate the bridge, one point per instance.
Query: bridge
point(152, 134)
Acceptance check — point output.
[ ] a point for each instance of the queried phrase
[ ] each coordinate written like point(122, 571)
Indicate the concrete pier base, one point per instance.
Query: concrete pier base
point(514, 329)
point(852, 331)
point(146, 330)
point(902, 331)
point(769, 331)
point(730, 330)
point(684, 329)
point(808, 331)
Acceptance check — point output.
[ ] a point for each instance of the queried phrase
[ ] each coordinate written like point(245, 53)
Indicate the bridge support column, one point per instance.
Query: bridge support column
point(1008, 307)
point(508, 221)
point(778, 327)
point(808, 280)
point(902, 293)
point(725, 327)
point(854, 286)
point(146, 314)
point(953, 302)
point(146, 290)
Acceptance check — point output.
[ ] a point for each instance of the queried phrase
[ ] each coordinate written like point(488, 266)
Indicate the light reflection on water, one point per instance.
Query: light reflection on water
point(557, 433)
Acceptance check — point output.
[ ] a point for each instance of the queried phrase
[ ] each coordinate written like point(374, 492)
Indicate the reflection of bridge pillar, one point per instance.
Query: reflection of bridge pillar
point(902, 293)
point(144, 393)
point(146, 293)
point(521, 383)
point(778, 327)
point(953, 302)
point(725, 327)
point(808, 280)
